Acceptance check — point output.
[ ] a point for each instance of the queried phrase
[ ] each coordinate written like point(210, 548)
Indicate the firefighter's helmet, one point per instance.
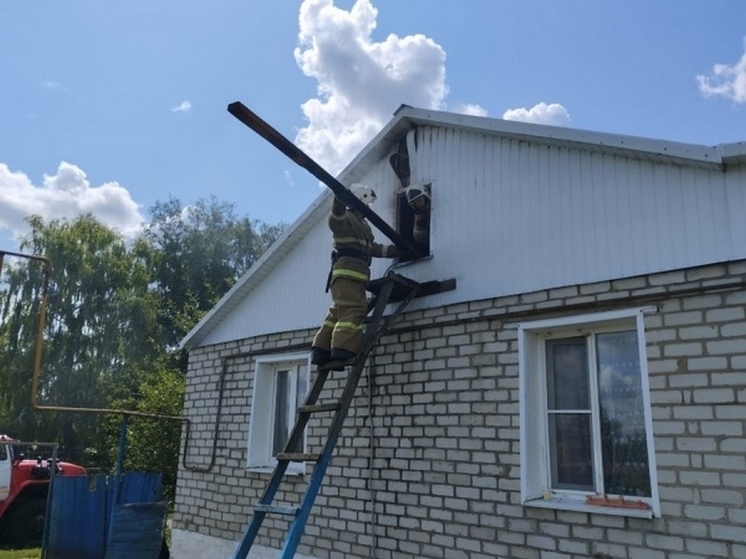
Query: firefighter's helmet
point(418, 195)
point(363, 193)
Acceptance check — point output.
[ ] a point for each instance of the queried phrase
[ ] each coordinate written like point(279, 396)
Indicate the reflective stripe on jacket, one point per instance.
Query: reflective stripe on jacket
point(351, 231)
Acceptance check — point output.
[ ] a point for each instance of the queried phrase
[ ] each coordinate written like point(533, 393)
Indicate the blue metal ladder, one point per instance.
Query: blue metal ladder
point(377, 325)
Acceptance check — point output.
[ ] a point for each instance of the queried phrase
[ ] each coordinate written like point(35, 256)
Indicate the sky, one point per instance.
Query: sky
point(109, 107)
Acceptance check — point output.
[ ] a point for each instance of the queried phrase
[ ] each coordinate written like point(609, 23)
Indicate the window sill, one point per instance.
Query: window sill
point(559, 503)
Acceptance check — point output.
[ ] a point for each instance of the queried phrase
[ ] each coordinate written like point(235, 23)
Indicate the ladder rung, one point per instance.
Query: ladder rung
point(290, 511)
point(318, 408)
point(297, 456)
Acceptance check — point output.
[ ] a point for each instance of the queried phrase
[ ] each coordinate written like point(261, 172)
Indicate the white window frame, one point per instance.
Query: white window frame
point(536, 490)
point(260, 457)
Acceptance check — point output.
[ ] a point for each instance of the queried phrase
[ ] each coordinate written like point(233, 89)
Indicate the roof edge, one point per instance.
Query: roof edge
point(733, 153)
point(680, 152)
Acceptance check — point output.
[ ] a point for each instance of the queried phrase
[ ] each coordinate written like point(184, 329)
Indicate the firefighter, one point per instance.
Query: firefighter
point(340, 336)
point(418, 198)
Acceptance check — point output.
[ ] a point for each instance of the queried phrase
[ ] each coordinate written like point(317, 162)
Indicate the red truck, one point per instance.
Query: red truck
point(24, 484)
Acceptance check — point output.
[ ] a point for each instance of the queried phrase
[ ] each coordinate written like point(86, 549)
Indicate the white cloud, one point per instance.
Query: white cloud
point(360, 82)
point(289, 177)
point(66, 194)
point(54, 86)
point(470, 109)
point(727, 81)
point(183, 107)
point(554, 114)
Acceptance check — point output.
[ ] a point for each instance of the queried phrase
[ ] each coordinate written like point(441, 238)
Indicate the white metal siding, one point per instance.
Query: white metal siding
point(512, 217)
point(291, 297)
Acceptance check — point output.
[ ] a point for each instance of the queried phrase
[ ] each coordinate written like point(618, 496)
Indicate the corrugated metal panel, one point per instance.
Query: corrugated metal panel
point(513, 216)
point(293, 296)
point(735, 194)
point(137, 531)
point(77, 525)
point(81, 508)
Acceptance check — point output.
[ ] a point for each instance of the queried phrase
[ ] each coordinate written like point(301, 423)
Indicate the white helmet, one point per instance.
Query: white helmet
point(363, 193)
point(417, 191)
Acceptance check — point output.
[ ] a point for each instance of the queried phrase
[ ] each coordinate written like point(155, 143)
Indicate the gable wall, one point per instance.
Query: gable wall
point(428, 463)
point(290, 298)
point(512, 216)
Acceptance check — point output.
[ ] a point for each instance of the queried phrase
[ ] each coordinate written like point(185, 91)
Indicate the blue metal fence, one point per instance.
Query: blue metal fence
point(81, 512)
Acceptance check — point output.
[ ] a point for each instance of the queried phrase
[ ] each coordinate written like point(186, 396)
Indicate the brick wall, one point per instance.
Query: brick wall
point(428, 463)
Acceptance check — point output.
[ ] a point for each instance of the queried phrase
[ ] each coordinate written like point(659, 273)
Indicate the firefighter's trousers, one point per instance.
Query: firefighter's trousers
point(343, 326)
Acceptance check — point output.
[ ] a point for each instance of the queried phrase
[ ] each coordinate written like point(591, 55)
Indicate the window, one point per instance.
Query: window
point(280, 386)
point(414, 208)
point(414, 199)
point(586, 428)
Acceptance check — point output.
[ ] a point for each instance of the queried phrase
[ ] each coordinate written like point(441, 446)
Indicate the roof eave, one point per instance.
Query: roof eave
point(734, 153)
point(676, 153)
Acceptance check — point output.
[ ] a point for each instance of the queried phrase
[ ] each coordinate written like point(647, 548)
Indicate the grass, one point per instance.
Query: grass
point(20, 553)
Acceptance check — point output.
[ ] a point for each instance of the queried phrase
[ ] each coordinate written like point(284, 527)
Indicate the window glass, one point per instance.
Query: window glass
point(567, 374)
point(623, 438)
point(280, 387)
point(280, 413)
point(291, 386)
point(570, 447)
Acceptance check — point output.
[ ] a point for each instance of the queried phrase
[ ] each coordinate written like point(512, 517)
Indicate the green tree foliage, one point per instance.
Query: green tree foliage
point(18, 336)
point(201, 251)
point(98, 306)
point(153, 443)
point(116, 313)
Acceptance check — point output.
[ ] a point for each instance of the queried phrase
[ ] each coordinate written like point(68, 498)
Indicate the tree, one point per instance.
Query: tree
point(20, 312)
point(116, 313)
point(153, 443)
point(99, 325)
point(201, 251)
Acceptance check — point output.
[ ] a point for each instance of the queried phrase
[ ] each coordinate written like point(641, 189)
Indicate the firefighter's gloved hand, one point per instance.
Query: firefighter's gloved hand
point(338, 207)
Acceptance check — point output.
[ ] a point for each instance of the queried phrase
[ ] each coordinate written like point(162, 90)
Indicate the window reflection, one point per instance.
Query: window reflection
point(623, 441)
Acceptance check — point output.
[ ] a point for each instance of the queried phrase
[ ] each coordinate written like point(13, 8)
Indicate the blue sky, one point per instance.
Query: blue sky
point(107, 107)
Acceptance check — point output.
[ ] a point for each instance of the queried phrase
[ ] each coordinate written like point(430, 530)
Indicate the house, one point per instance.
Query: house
point(580, 394)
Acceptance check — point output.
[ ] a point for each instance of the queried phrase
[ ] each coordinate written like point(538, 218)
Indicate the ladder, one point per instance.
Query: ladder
point(391, 288)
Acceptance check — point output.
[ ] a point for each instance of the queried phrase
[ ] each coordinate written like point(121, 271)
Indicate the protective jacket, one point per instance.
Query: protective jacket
point(354, 248)
point(354, 245)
